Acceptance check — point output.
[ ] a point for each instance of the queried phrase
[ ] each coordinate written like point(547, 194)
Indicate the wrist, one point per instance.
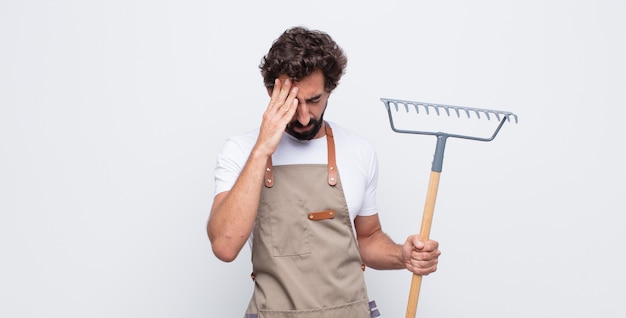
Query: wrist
point(259, 153)
point(400, 258)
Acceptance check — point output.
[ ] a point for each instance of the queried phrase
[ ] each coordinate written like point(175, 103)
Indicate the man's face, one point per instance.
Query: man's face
point(312, 100)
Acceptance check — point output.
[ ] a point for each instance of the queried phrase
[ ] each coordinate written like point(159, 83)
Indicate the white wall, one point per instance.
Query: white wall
point(112, 113)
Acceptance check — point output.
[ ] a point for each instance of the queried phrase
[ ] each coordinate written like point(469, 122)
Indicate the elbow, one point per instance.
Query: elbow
point(368, 261)
point(225, 245)
point(223, 251)
point(225, 255)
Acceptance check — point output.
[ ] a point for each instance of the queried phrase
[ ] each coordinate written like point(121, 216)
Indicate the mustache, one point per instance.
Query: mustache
point(297, 124)
point(314, 127)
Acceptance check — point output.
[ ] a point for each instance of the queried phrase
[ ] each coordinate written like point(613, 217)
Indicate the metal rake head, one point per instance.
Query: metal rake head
point(449, 110)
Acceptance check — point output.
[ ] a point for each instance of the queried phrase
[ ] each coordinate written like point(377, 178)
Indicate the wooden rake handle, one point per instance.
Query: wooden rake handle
point(427, 220)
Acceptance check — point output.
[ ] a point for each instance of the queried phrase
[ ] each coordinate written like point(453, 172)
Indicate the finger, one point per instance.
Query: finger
point(289, 101)
point(275, 92)
point(283, 94)
point(429, 263)
point(424, 257)
point(279, 94)
point(423, 270)
point(417, 242)
point(289, 109)
point(430, 246)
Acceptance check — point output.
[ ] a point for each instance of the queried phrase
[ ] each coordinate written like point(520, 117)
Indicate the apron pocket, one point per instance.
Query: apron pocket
point(289, 229)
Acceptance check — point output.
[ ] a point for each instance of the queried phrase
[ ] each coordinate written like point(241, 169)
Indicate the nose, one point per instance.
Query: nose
point(302, 113)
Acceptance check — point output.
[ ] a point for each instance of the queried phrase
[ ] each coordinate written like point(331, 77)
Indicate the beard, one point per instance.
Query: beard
point(314, 124)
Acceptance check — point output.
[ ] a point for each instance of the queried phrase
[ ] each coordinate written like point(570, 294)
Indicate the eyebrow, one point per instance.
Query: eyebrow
point(311, 99)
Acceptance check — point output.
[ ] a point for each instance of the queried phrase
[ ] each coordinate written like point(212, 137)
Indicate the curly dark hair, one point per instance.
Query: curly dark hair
point(300, 51)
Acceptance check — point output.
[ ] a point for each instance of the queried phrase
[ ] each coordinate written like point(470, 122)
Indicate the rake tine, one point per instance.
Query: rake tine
point(447, 110)
point(477, 113)
point(436, 110)
point(458, 114)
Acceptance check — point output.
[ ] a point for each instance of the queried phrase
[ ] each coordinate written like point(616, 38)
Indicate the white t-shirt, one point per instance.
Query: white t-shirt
point(356, 163)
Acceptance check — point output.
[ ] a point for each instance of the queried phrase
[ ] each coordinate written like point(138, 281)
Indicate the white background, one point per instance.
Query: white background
point(112, 113)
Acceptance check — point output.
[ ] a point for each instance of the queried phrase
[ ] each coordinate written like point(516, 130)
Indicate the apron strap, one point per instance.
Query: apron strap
point(269, 174)
point(332, 162)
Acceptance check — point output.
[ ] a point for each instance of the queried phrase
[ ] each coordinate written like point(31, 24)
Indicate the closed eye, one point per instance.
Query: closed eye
point(314, 99)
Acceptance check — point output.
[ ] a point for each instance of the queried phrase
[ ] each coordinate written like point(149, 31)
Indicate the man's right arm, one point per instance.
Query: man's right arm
point(233, 212)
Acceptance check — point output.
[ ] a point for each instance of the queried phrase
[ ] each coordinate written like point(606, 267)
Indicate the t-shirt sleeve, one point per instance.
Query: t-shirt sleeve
point(369, 200)
point(230, 162)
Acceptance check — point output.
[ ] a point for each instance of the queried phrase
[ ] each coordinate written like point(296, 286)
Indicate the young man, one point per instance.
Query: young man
point(302, 192)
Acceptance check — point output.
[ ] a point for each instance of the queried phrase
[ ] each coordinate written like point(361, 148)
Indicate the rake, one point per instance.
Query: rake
point(433, 184)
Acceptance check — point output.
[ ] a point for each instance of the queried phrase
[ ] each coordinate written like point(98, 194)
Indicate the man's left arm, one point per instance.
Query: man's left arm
point(378, 251)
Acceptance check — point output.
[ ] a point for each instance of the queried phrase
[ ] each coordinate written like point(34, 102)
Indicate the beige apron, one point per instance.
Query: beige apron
point(305, 258)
